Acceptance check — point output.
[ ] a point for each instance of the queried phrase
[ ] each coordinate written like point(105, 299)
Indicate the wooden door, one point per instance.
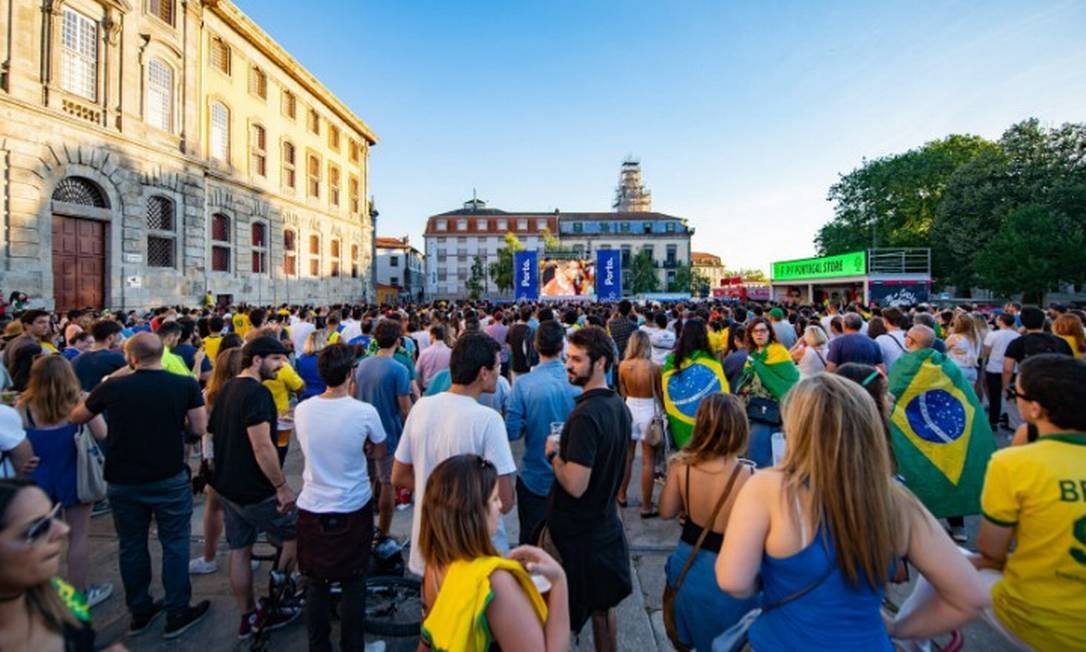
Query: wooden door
point(79, 263)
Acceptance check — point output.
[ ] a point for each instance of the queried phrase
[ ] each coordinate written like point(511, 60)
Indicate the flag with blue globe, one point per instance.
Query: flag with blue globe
point(940, 435)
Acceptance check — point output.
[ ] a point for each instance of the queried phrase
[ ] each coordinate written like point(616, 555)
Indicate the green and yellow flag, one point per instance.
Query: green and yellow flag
point(941, 437)
point(775, 369)
point(701, 376)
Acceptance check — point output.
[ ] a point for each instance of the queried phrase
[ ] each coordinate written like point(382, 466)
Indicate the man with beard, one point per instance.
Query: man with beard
point(247, 476)
point(588, 464)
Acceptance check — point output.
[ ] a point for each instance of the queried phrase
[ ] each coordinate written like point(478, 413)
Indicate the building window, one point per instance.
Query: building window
point(352, 195)
point(441, 225)
point(540, 225)
point(461, 225)
point(287, 104)
point(288, 165)
point(220, 243)
point(161, 232)
point(159, 113)
point(522, 225)
point(578, 227)
point(393, 261)
point(220, 132)
point(605, 227)
point(335, 257)
point(314, 255)
point(646, 227)
point(313, 122)
point(671, 251)
point(333, 137)
point(669, 227)
point(258, 154)
point(625, 255)
point(260, 248)
point(354, 261)
point(258, 83)
point(394, 280)
point(503, 225)
point(333, 185)
point(313, 171)
point(79, 55)
point(77, 190)
point(648, 248)
point(220, 55)
point(352, 151)
point(290, 253)
point(161, 9)
point(624, 227)
point(481, 225)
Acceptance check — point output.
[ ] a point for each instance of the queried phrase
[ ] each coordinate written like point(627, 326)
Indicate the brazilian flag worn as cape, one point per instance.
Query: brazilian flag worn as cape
point(941, 437)
point(701, 376)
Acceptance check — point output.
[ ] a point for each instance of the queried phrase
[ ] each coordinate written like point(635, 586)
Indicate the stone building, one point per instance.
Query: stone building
point(151, 150)
point(708, 266)
point(400, 267)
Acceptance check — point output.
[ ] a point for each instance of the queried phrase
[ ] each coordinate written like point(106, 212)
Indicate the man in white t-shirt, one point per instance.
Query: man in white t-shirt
point(300, 331)
point(15, 452)
point(352, 326)
point(454, 423)
point(832, 310)
point(335, 507)
point(892, 342)
point(995, 345)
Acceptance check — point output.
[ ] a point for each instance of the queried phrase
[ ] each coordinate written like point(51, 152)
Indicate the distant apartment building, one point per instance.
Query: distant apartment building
point(454, 238)
point(401, 268)
point(154, 150)
point(709, 266)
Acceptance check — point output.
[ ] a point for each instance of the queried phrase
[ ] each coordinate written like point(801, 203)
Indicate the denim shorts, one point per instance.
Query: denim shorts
point(245, 522)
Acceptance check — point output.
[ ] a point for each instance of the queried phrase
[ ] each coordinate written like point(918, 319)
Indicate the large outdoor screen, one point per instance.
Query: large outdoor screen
point(567, 277)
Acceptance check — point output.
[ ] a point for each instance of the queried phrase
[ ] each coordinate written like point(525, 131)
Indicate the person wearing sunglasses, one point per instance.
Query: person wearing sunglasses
point(38, 611)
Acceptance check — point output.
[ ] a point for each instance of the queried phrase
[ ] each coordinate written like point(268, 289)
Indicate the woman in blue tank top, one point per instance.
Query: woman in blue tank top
point(824, 530)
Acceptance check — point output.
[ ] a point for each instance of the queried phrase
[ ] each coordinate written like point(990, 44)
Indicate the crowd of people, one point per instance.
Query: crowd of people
point(768, 431)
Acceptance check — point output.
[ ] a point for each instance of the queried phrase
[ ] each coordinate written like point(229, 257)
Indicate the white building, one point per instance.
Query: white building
point(709, 266)
point(400, 265)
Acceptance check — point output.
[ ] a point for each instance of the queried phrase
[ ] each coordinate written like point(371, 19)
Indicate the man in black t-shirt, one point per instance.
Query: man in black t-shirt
point(148, 477)
point(522, 354)
point(101, 360)
point(1033, 342)
point(588, 467)
point(247, 476)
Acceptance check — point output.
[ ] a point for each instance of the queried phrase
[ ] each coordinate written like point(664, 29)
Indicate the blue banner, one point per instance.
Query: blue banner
point(526, 275)
point(608, 274)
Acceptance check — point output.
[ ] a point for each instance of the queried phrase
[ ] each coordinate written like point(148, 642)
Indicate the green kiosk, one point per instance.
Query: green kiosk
point(882, 277)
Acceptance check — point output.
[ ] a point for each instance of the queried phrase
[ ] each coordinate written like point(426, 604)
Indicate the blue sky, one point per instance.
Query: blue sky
point(742, 114)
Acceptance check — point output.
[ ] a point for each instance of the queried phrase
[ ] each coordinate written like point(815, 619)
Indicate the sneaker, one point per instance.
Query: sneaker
point(179, 622)
point(258, 620)
point(101, 508)
point(141, 622)
point(98, 593)
point(201, 566)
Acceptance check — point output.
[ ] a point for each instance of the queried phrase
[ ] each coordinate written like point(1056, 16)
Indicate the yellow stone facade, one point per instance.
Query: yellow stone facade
point(151, 150)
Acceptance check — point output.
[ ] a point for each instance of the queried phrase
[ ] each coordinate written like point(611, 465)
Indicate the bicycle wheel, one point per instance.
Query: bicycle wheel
point(393, 606)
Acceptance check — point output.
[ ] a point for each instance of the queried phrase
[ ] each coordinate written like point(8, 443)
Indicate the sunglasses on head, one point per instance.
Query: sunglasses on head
point(39, 527)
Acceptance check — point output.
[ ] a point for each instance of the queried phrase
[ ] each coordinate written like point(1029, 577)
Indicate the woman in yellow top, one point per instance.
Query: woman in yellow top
point(286, 382)
point(475, 600)
point(1069, 327)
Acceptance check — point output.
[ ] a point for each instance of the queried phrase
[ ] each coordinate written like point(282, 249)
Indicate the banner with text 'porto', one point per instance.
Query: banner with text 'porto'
point(526, 276)
point(608, 274)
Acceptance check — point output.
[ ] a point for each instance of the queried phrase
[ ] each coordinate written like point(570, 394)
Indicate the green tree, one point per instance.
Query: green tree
point(477, 278)
point(700, 285)
point(1034, 251)
point(684, 279)
point(748, 275)
point(502, 270)
point(643, 276)
point(550, 241)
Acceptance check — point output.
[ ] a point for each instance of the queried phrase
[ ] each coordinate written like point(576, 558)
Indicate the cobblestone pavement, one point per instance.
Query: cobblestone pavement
point(639, 616)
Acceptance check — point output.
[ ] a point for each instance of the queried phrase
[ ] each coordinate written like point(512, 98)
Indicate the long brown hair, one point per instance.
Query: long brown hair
point(721, 429)
point(453, 524)
point(41, 600)
point(227, 365)
point(53, 389)
point(837, 448)
point(963, 324)
point(638, 347)
point(1069, 325)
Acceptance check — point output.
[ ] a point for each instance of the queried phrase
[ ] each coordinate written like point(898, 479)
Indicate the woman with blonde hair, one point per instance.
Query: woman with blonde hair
point(639, 382)
point(227, 365)
point(1069, 327)
point(963, 346)
point(702, 482)
point(810, 351)
point(825, 529)
point(306, 364)
point(51, 393)
point(475, 599)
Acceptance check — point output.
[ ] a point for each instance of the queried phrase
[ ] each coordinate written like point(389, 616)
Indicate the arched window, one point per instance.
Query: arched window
point(258, 153)
point(354, 261)
point(290, 253)
point(288, 165)
point(260, 247)
point(220, 243)
point(315, 255)
point(220, 54)
point(220, 132)
point(79, 54)
point(335, 257)
point(78, 190)
point(159, 111)
point(161, 233)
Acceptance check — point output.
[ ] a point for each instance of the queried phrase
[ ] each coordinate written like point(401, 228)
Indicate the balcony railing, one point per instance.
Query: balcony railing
point(905, 260)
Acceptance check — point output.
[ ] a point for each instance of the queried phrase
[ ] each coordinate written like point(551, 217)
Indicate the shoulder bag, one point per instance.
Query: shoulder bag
point(656, 431)
point(670, 593)
point(90, 479)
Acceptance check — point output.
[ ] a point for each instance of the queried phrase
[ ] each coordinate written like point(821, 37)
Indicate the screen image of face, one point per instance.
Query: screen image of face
point(567, 278)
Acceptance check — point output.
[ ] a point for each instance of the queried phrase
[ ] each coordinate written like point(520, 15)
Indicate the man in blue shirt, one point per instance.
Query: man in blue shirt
point(539, 398)
point(854, 347)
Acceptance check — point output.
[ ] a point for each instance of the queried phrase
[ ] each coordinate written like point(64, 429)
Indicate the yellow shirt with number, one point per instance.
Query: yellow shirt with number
point(242, 324)
point(1040, 490)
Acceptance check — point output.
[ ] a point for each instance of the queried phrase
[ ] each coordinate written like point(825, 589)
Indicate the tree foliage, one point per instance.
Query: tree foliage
point(684, 279)
point(502, 270)
point(477, 278)
point(643, 276)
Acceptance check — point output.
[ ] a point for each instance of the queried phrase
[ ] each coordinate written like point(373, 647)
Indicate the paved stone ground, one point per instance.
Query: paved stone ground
point(639, 616)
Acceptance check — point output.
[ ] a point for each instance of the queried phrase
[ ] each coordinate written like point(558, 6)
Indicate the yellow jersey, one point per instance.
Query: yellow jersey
point(1040, 490)
point(285, 382)
point(211, 347)
point(241, 324)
